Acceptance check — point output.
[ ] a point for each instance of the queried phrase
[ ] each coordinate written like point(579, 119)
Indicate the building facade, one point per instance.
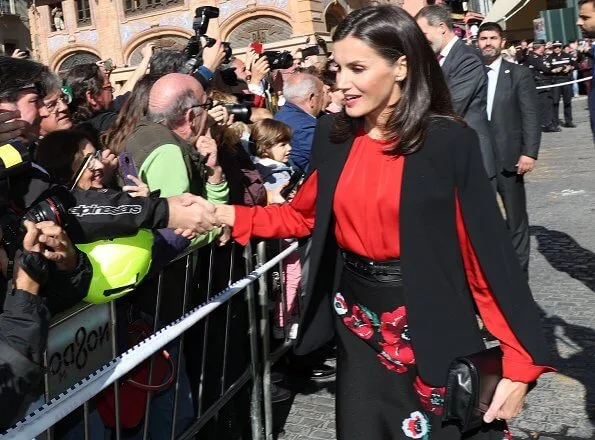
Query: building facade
point(69, 32)
point(14, 26)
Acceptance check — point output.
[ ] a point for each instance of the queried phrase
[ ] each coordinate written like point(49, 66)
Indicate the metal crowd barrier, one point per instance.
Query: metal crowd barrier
point(83, 357)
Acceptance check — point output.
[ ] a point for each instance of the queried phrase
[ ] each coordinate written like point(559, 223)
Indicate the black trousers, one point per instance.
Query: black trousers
point(566, 93)
point(511, 187)
point(546, 107)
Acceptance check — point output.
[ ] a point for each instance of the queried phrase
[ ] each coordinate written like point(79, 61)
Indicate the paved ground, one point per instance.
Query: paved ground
point(561, 195)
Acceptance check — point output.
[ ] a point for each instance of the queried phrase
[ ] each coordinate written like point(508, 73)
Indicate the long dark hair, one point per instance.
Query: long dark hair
point(133, 110)
point(392, 32)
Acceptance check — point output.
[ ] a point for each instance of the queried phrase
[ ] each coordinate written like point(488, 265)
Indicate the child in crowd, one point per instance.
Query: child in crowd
point(269, 144)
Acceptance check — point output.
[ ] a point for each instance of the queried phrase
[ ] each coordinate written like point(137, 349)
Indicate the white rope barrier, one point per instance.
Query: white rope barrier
point(564, 83)
point(63, 404)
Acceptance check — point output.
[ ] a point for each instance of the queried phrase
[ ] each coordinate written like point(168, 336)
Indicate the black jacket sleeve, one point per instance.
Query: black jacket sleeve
point(24, 327)
point(101, 214)
point(66, 289)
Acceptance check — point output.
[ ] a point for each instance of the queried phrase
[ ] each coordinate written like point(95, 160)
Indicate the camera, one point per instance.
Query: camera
point(278, 59)
point(194, 48)
point(240, 112)
point(52, 205)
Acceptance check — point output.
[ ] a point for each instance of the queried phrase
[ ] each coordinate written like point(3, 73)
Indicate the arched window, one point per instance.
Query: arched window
point(77, 59)
point(164, 42)
point(334, 15)
point(259, 30)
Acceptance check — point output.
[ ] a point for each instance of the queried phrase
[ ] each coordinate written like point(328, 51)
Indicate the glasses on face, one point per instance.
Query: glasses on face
point(93, 161)
point(52, 106)
point(208, 105)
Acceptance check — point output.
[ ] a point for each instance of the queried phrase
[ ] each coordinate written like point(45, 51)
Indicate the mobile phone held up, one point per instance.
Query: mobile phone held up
point(294, 181)
point(127, 168)
point(257, 47)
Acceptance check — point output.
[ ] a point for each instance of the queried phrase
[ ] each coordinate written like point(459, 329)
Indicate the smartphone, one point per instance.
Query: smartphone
point(294, 181)
point(127, 168)
point(257, 47)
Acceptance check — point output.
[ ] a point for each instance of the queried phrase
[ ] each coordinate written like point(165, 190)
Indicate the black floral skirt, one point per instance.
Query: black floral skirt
point(380, 396)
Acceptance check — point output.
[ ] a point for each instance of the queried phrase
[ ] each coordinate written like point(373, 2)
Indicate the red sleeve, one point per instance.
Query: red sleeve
point(517, 364)
point(290, 220)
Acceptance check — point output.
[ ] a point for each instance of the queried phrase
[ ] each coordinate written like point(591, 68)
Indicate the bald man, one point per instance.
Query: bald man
point(304, 101)
point(172, 148)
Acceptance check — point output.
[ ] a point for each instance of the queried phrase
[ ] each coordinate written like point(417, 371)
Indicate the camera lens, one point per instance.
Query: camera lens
point(51, 209)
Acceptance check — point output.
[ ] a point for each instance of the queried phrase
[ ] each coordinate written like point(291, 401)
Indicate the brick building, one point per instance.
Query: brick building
point(98, 29)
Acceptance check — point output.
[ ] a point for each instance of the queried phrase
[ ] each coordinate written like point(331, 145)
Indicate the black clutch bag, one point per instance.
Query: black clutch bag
point(470, 387)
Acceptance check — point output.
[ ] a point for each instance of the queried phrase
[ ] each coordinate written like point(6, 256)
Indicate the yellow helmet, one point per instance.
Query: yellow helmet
point(118, 265)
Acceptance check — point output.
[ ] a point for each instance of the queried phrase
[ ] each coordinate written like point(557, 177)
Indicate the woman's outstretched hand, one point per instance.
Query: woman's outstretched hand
point(508, 400)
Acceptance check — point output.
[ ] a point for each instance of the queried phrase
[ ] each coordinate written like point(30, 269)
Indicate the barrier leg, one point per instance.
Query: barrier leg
point(263, 298)
point(256, 404)
point(112, 310)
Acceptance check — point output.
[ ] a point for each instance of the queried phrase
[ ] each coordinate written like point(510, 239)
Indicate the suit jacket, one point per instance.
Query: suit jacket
point(515, 116)
point(303, 126)
point(467, 81)
point(440, 307)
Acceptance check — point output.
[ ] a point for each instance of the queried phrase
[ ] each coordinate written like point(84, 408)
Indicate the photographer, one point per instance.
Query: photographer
point(49, 274)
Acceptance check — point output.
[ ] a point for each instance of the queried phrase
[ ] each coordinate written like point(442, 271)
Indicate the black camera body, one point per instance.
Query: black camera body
point(278, 59)
point(52, 206)
point(240, 112)
point(194, 48)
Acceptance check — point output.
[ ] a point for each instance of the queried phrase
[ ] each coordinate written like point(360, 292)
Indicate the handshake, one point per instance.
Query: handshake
point(192, 215)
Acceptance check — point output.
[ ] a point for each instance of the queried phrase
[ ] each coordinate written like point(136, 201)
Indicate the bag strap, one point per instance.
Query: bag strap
point(162, 386)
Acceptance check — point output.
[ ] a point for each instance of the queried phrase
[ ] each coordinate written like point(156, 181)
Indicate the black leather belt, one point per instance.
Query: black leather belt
point(383, 271)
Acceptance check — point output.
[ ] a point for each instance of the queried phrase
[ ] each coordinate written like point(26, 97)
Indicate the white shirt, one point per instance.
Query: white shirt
point(493, 71)
point(444, 52)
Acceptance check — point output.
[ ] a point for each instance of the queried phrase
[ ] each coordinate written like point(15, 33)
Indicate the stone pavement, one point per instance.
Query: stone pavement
point(561, 202)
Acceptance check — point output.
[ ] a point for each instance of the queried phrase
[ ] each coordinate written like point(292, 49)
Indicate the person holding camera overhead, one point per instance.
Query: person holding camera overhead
point(407, 242)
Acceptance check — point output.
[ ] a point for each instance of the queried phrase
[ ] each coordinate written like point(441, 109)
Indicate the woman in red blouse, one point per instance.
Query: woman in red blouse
point(407, 243)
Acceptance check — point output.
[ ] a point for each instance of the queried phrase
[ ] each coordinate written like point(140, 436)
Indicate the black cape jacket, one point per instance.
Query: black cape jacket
point(441, 311)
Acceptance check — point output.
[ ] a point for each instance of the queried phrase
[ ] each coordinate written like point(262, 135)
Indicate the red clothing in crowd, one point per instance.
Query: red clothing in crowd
point(366, 208)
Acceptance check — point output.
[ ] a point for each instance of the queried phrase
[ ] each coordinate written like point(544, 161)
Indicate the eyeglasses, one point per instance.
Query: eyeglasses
point(208, 105)
point(52, 106)
point(93, 161)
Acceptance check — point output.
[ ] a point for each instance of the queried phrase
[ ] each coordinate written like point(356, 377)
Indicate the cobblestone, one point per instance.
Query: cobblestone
point(561, 203)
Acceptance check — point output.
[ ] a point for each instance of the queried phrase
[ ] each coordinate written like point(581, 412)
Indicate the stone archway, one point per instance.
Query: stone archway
point(162, 42)
point(334, 14)
point(261, 29)
point(76, 59)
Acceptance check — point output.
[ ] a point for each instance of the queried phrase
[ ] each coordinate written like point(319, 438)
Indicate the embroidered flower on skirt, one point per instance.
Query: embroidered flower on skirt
point(359, 323)
point(431, 398)
point(340, 304)
point(416, 426)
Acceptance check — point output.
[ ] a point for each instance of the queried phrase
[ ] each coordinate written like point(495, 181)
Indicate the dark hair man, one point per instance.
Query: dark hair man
point(513, 112)
point(586, 21)
point(93, 97)
point(465, 76)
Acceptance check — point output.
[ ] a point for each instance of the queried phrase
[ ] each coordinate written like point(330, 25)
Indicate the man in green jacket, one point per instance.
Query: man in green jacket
point(172, 147)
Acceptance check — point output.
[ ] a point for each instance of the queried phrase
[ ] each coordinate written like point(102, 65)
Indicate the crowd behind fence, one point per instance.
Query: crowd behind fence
point(226, 340)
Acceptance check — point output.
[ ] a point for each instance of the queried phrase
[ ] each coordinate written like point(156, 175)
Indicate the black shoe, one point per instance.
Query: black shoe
point(551, 129)
point(279, 394)
point(569, 125)
point(323, 371)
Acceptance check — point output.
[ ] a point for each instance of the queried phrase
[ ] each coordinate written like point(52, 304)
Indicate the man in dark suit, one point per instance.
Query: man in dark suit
point(586, 21)
point(513, 112)
point(465, 76)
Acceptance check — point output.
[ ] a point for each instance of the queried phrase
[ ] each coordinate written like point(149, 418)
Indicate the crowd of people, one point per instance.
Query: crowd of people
point(235, 150)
